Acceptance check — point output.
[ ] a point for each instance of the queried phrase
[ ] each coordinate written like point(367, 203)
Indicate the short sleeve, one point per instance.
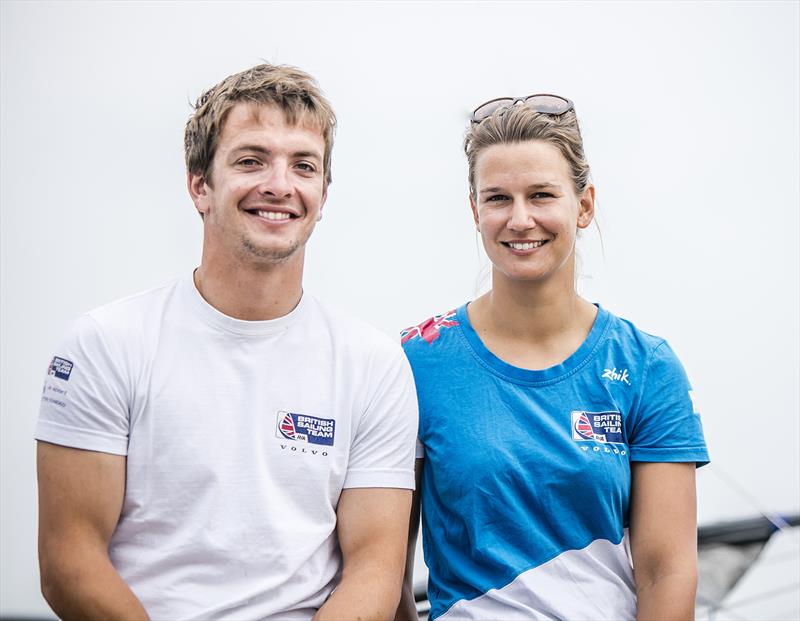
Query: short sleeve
point(664, 425)
point(419, 451)
point(382, 454)
point(84, 398)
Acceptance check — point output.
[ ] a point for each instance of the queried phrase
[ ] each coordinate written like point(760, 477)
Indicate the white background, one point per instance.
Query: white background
point(690, 118)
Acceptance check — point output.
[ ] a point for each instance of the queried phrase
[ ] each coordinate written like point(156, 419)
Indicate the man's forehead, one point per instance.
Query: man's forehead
point(245, 116)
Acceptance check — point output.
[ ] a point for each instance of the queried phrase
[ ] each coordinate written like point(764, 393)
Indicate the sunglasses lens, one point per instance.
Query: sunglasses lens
point(486, 110)
point(549, 104)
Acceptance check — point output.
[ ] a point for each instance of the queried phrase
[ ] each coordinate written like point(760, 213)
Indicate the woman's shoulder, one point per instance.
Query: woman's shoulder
point(632, 343)
point(430, 330)
point(433, 337)
point(626, 332)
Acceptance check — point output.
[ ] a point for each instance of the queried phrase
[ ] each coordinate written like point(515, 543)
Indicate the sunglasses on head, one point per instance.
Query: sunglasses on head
point(545, 103)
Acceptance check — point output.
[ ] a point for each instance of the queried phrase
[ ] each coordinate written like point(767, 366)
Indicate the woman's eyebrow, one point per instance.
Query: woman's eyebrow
point(544, 184)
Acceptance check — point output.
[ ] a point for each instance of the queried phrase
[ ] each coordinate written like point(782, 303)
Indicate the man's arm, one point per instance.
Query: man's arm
point(663, 529)
point(407, 611)
point(372, 525)
point(80, 499)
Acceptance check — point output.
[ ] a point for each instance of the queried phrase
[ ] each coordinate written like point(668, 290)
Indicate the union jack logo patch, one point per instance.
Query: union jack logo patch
point(604, 427)
point(429, 329)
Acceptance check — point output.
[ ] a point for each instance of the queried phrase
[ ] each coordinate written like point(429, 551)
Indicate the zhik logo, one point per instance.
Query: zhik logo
point(616, 376)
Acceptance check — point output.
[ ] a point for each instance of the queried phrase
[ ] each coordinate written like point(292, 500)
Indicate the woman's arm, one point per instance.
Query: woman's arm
point(663, 531)
point(407, 611)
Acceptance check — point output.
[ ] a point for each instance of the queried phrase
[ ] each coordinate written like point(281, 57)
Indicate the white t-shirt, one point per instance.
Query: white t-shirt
point(239, 436)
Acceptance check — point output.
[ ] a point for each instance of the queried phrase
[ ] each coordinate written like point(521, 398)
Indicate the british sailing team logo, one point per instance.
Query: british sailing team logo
point(304, 428)
point(60, 368)
point(604, 427)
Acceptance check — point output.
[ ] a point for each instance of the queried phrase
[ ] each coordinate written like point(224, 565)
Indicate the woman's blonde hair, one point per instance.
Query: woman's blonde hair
point(519, 123)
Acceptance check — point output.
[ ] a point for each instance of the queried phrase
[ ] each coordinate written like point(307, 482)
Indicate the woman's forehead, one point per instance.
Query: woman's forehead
point(531, 158)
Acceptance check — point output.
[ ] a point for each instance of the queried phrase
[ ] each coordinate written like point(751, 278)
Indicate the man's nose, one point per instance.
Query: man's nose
point(276, 181)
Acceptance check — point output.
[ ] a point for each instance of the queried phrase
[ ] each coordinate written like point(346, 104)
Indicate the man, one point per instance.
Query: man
point(225, 446)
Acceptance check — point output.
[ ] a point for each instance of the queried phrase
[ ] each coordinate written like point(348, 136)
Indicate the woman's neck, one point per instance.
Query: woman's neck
point(533, 325)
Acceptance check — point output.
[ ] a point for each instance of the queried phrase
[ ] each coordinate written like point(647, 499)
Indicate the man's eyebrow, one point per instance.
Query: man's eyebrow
point(313, 154)
point(259, 149)
point(251, 149)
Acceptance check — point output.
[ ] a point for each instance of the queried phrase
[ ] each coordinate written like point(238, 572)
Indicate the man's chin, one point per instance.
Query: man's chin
point(270, 254)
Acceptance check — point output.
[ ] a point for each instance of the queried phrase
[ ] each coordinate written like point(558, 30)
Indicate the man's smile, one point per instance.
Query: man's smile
point(273, 214)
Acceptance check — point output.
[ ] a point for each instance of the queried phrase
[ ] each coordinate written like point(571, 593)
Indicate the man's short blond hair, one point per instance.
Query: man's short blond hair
point(292, 90)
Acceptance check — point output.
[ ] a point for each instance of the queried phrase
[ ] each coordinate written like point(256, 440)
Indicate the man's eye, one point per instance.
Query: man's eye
point(495, 198)
point(248, 161)
point(541, 195)
point(306, 167)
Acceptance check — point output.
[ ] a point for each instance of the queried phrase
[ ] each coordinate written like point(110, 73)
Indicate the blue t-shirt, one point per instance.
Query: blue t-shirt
point(526, 479)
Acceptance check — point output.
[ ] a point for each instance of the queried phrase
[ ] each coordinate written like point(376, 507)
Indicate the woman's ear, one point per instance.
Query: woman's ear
point(586, 207)
point(474, 208)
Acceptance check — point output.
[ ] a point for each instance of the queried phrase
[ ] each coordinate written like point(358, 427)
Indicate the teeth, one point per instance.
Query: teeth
point(274, 215)
point(526, 245)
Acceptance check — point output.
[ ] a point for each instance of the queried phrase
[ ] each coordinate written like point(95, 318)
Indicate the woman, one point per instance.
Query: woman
point(559, 443)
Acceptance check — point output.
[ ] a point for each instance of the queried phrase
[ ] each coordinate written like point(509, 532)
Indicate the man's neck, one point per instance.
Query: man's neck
point(251, 292)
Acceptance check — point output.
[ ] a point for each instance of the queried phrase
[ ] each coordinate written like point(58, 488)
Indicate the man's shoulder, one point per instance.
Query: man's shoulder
point(102, 349)
point(358, 334)
point(130, 314)
point(135, 303)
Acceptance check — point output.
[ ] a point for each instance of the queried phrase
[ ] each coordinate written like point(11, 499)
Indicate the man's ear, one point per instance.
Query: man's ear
point(322, 202)
point(198, 190)
point(586, 207)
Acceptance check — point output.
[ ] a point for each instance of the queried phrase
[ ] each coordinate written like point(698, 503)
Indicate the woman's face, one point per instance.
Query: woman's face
point(527, 210)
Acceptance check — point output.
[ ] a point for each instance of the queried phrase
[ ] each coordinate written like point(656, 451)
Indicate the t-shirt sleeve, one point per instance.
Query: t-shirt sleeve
point(382, 453)
point(84, 399)
point(419, 451)
point(664, 425)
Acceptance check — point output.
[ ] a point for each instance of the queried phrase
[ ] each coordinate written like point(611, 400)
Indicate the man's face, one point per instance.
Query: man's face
point(268, 187)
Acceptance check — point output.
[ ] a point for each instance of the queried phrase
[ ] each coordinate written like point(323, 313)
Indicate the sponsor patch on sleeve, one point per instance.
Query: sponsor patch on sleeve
point(429, 330)
point(60, 368)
